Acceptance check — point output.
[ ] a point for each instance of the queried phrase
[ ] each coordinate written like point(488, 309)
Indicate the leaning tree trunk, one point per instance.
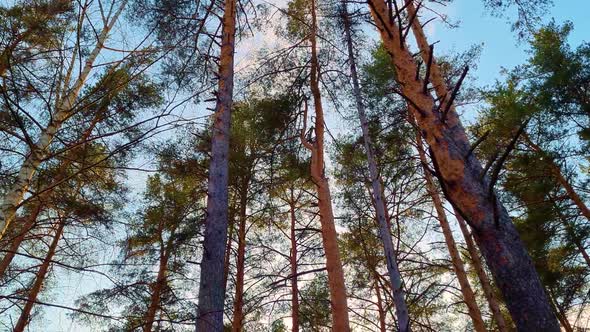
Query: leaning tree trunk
point(571, 232)
point(458, 266)
point(238, 316)
point(293, 262)
point(39, 279)
point(64, 108)
point(560, 313)
point(467, 188)
point(14, 244)
point(212, 284)
point(61, 176)
point(334, 268)
point(383, 223)
point(482, 276)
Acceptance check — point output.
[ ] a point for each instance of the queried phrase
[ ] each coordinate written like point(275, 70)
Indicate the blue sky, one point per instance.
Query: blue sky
point(500, 45)
point(500, 50)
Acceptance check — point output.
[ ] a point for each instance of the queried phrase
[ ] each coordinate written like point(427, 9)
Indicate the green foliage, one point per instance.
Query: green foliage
point(550, 92)
point(379, 74)
point(314, 310)
point(298, 19)
point(31, 25)
point(529, 13)
point(163, 232)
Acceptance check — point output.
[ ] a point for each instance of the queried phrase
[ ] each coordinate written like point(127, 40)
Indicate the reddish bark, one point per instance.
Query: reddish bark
point(556, 172)
point(238, 315)
point(157, 288)
point(338, 301)
point(293, 262)
point(39, 280)
point(380, 308)
point(457, 262)
point(15, 242)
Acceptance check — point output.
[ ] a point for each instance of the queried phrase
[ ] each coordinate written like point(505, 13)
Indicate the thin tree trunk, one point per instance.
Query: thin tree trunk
point(556, 171)
point(381, 310)
point(39, 279)
point(338, 301)
point(293, 258)
point(570, 230)
point(561, 314)
point(14, 195)
point(567, 326)
point(157, 287)
point(226, 264)
point(382, 220)
point(482, 276)
point(468, 189)
point(212, 285)
point(458, 266)
point(238, 316)
point(15, 243)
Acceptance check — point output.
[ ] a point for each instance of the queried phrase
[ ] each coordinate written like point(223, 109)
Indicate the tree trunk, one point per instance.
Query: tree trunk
point(238, 316)
point(458, 266)
point(381, 310)
point(14, 243)
point(570, 230)
point(377, 190)
point(39, 279)
point(468, 189)
point(293, 257)
point(38, 208)
point(482, 276)
point(211, 287)
point(157, 287)
point(226, 264)
point(334, 268)
point(556, 171)
point(561, 314)
point(64, 107)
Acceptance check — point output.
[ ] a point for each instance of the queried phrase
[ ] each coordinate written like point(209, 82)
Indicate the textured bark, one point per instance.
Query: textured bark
point(39, 279)
point(64, 108)
point(293, 262)
point(226, 263)
point(482, 276)
point(238, 316)
point(157, 288)
point(338, 301)
point(212, 284)
point(458, 266)
point(556, 172)
point(460, 174)
point(377, 190)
